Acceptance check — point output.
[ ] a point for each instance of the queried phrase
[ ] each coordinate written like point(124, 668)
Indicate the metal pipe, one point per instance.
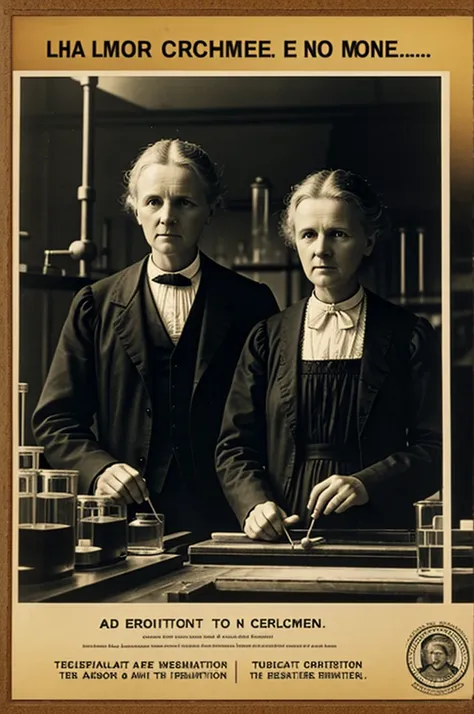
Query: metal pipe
point(403, 252)
point(421, 261)
point(45, 333)
point(105, 246)
point(85, 192)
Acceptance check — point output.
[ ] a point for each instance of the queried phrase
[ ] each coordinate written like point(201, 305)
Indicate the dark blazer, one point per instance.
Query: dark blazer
point(101, 372)
point(399, 414)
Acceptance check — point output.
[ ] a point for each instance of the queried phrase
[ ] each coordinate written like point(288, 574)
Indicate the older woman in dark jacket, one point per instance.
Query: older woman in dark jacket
point(136, 390)
point(335, 407)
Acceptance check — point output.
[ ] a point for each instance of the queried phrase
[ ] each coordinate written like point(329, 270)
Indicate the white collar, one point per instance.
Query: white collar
point(345, 305)
point(319, 313)
point(191, 271)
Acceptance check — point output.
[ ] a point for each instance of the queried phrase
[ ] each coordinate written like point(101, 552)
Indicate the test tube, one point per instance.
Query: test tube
point(22, 392)
point(260, 192)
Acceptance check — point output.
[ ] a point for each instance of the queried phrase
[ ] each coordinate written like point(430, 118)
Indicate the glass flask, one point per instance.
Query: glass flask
point(29, 456)
point(429, 538)
point(47, 512)
point(101, 531)
point(145, 534)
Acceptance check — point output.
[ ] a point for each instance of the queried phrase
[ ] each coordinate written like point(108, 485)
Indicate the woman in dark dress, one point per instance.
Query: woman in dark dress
point(335, 407)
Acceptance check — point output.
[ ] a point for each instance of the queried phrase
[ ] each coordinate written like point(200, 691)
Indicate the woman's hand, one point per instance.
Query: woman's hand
point(266, 521)
point(123, 483)
point(337, 493)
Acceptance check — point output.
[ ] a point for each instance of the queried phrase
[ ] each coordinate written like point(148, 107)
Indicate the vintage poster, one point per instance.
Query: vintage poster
point(241, 359)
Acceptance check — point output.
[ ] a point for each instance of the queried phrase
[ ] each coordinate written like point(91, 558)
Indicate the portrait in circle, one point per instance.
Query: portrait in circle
point(438, 654)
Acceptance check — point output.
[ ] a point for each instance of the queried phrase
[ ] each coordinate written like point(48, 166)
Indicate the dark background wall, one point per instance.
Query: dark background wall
point(387, 129)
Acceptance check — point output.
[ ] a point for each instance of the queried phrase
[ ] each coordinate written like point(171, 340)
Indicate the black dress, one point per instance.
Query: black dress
point(328, 442)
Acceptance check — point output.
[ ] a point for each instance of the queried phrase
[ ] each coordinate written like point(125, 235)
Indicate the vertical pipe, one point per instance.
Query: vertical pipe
point(266, 211)
point(45, 332)
point(105, 247)
point(421, 261)
point(85, 192)
point(403, 252)
point(22, 389)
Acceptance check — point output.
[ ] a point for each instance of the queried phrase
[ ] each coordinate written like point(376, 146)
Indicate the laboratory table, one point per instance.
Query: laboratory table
point(348, 566)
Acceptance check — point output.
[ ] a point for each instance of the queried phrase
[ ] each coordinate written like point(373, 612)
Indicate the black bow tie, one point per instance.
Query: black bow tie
point(176, 279)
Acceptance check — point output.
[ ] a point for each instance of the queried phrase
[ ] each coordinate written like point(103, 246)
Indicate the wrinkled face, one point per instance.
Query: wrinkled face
point(437, 656)
point(331, 243)
point(172, 209)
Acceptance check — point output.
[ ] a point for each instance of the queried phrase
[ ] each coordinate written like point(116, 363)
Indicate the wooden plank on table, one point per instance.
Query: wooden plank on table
point(281, 554)
point(322, 574)
point(332, 590)
point(344, 536)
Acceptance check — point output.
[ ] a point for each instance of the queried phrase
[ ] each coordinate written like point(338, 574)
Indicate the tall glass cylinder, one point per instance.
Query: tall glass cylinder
point(22, 392)
point(102, 531)
point(47, 524)
point(260, 192)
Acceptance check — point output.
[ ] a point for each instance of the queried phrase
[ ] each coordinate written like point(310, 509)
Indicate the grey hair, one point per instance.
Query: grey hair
point(179, 153)
point(339, 185)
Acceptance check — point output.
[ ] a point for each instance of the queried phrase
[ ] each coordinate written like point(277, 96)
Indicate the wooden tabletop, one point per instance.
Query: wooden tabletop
point(368, 571)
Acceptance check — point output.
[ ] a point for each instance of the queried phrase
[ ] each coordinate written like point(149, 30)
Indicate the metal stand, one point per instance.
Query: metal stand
point(86, 192)
point(83, 250)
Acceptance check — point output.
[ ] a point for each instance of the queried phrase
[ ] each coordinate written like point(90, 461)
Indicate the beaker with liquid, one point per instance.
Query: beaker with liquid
point(429, 538)
point(29, 457)
point(47, 514)
point(101, 531)
point(145, 534)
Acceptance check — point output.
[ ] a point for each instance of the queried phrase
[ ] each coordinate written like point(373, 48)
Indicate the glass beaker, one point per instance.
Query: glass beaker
point(145, 534)
point(101, 531)
point(429, 538)
point(29, 456)
point(47, 523)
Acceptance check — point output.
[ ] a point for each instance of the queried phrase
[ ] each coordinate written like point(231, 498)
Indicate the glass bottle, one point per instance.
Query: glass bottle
point(145, 534)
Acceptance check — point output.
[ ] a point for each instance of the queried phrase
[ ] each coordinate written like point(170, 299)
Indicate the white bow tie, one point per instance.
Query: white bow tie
point(320, 315)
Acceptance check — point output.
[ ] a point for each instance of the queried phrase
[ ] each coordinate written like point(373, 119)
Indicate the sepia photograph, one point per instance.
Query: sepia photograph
point(240, 320)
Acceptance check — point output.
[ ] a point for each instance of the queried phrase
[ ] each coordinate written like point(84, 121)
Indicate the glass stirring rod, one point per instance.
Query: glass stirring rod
point(151, 506)
point(285, 531)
